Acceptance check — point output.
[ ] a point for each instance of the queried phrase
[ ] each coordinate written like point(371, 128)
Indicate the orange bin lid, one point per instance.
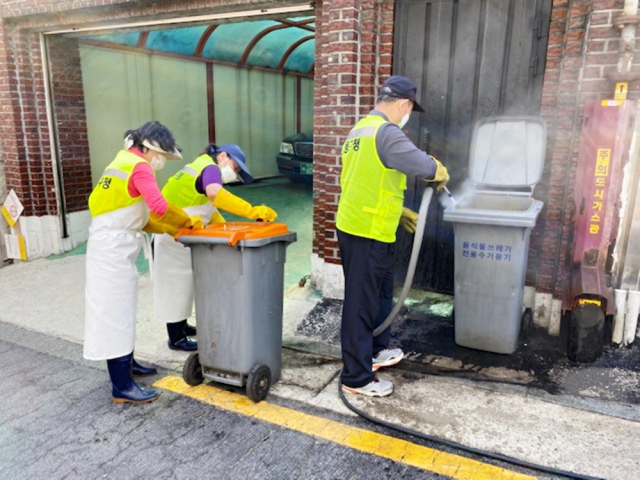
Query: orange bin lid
point(236, 231)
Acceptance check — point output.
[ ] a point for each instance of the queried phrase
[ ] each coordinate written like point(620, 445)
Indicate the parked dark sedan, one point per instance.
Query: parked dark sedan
point(296, 158)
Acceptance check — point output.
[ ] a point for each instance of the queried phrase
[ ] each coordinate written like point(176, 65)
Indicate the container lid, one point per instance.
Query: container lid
point(484, 215)
point(508, 151)
point(233, 232)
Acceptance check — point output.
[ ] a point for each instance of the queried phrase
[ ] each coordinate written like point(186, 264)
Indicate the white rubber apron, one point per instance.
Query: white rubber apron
point(172, 273)
point(111, 290)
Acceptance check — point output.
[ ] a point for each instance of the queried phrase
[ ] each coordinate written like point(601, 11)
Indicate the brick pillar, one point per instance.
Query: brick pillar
point(354, 40)
point(73, 142)
point(20, 119)
point(25, 135)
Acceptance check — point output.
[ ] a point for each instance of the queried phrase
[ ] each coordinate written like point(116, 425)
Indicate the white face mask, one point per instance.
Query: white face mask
point(157, 162)
point(404, 120)
point(228, 175)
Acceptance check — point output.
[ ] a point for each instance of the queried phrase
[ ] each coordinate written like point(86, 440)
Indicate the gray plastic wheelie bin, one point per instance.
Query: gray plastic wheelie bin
point(238, 270)
point(492, 225)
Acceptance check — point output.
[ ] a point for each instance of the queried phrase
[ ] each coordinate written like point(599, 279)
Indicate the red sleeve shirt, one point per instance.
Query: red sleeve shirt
point(143, 182)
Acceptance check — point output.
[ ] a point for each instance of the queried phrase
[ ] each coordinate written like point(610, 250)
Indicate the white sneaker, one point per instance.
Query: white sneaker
point(387, 358)
point(377, 388)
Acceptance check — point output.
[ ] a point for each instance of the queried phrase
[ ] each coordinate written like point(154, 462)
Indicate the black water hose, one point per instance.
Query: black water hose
point(415, 251)
point(464, 448)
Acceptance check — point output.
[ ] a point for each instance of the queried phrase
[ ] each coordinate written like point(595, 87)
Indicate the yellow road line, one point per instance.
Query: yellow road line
point(454, 466)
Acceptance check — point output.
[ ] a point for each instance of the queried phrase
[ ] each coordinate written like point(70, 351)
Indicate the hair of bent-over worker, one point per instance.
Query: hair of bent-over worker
point(211, 150)
point(154, 132)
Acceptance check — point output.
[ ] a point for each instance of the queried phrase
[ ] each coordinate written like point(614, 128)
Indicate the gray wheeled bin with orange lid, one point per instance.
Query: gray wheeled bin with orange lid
point(238, 271)
point(492, 226)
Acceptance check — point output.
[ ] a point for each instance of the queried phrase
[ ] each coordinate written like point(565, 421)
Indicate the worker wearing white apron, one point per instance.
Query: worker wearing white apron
point(197, 188)
point(125, 201)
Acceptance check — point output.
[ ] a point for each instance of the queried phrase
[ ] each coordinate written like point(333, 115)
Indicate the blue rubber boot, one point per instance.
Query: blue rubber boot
point(140, 370)
point(124, 389)
point(178, 339)
point(189, 330)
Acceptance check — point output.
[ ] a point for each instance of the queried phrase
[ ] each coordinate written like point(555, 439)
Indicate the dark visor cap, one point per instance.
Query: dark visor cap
point(401, 87)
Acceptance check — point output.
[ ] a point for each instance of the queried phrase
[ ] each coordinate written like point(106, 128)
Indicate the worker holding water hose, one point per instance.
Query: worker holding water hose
point(377, 157)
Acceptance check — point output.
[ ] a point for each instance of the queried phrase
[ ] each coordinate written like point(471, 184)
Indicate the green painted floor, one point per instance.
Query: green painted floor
point(294, 205)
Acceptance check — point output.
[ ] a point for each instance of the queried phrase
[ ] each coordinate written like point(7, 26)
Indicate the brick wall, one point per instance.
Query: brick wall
point(70, 120)
point(23, 122)
point(583, 52)
point(29, 168)
point(22, 8)
point(36, 14)
point(354, 42)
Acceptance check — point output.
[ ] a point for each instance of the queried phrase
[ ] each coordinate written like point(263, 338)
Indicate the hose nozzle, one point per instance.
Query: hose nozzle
point(453, 200)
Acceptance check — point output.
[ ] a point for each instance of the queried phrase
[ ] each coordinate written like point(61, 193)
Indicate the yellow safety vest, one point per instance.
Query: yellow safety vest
point(181, 188)
point(112, 190)
point(372, 195)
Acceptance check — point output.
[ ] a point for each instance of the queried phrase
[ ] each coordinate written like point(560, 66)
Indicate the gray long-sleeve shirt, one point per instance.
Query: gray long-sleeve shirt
point(398, 152)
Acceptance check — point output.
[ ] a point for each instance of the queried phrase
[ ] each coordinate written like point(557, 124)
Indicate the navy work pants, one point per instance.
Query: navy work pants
point(368, 298)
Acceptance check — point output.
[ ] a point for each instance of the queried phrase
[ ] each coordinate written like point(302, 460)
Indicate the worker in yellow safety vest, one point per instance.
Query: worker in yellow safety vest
point(377, 157)
point(125, 201)
point(198, 189)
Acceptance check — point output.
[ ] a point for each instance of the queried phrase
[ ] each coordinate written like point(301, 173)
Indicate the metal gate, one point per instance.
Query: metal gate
point(470, 59)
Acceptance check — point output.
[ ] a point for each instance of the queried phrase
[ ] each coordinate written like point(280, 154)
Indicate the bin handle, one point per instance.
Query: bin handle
point(235, 238)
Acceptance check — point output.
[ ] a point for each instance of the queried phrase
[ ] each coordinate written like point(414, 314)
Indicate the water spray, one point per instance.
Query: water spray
point(453, 200)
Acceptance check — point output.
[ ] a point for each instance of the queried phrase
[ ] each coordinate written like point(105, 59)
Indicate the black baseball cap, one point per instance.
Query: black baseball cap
point(398, 86)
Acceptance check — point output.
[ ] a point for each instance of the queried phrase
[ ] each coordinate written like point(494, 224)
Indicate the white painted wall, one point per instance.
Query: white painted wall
point(43, 235)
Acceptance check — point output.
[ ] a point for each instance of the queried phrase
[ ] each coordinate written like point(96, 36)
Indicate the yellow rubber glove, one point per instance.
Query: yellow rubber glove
point(262, 212)
point(442, 175)
point(217, 218)
point(173, 220)
point(197, 223)
point(228, 202)
point(408, 220)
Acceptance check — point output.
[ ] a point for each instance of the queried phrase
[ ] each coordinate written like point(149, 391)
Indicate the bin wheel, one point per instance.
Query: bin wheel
point(258, 383)
point(527, 321)
point(192, 370)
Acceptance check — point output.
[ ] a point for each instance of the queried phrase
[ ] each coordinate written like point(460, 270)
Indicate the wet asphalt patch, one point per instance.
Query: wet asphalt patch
point(540, 361)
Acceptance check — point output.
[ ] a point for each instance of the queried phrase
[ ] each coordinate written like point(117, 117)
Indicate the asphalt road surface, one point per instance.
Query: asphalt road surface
point(57, 421)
